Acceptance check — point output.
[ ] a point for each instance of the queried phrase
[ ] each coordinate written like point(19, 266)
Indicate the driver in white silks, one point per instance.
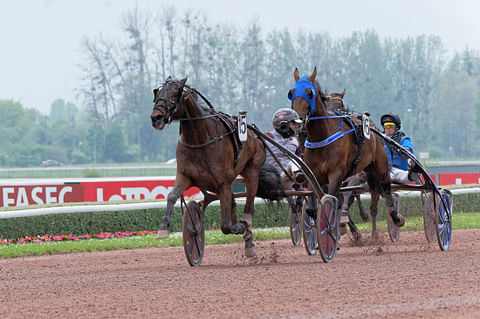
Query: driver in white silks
point(286, 123)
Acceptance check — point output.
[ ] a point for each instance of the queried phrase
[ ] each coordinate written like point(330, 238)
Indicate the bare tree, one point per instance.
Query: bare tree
point(99, 93)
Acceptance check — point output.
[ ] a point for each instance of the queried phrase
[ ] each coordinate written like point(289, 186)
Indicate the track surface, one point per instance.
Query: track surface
point(410, 279)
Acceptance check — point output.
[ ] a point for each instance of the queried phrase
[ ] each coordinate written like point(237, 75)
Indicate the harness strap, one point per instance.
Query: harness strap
point(237, 145)
point(194, 118)
point(329, 139)
point(214, 140)
point(360, 139)
point(325, 117)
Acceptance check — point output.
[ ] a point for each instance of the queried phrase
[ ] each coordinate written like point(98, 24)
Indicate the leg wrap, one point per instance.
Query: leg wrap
point(241, 227)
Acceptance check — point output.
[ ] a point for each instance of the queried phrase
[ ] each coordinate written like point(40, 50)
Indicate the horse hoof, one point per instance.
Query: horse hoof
point(342, 228)
point(398, 220)
point(162, 233)
point(250, 252)
point(357, 238)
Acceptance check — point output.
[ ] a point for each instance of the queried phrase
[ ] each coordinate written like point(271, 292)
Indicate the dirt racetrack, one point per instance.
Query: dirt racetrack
point(410, 279)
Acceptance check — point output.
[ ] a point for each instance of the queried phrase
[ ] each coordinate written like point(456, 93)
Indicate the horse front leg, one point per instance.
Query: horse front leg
point(180, 186)
point(226, 205)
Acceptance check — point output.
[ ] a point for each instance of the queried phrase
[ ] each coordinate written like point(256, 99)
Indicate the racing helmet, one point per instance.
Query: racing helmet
point(391, 117)
point(281, 121)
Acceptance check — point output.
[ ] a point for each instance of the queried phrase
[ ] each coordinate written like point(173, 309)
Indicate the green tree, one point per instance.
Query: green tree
point(93, 144)
point(115, 144)
point(21, 136)
point(62, 111)
point(454, 115)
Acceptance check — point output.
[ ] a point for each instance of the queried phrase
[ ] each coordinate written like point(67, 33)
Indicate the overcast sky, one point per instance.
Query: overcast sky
point(40, 40)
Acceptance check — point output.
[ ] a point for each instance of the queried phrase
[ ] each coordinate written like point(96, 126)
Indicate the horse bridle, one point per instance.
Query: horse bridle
point(169, 111)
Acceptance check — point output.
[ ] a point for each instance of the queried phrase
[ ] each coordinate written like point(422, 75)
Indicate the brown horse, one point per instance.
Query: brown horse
point(210, 158)
point(334, 104)
point(332, 151)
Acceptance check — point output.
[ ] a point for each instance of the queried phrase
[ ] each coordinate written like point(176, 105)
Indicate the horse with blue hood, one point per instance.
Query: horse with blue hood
point(333, 149)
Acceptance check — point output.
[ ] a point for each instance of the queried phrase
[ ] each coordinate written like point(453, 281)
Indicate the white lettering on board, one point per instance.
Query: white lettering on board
point(6, 200)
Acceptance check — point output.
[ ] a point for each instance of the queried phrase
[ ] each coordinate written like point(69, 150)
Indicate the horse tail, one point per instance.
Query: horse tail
point(270, 183)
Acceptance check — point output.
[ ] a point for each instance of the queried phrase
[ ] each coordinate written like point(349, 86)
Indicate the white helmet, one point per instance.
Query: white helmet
point(281, 121)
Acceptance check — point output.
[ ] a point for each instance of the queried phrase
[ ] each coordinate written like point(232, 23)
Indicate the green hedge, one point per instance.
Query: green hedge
point(133, 220)
point(149, 219)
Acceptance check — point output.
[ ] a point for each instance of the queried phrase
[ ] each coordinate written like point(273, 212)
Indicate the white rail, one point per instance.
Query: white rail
point(94, 208)
point(149, 205)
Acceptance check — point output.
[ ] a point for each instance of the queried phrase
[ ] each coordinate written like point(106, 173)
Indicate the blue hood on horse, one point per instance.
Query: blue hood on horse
point(301, 87)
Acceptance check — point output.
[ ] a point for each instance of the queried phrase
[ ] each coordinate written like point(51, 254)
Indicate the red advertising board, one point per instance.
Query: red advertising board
point(35, 192)
point(130, 190)
point(24, 195)
point(459, 178)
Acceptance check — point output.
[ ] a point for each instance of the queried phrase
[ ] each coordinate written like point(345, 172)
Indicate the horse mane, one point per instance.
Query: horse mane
point(321, 92)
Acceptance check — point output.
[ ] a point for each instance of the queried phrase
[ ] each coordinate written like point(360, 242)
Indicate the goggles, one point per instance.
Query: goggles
point(389, 125)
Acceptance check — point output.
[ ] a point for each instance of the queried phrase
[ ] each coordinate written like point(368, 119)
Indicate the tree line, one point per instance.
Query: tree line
point(436, 95)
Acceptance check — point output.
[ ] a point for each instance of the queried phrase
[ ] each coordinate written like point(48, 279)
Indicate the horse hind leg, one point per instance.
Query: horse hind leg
point(363, 214)
point(246, 223)
point(357, 237)
point(344, 203)
point(233, 212)
point(345, 218)
point(244, 226)
point(397, 218)
point(373, 212)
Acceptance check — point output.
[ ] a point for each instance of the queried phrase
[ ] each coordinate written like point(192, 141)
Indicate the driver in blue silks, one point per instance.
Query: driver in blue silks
point(402, 169)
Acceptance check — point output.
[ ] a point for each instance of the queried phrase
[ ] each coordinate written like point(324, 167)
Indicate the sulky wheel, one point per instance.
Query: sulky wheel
point(443, 218)
point(429, 225)
point(393, 230)
point(309, 232)
point(327, 227)
point(193, 233)
point(296, 221)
